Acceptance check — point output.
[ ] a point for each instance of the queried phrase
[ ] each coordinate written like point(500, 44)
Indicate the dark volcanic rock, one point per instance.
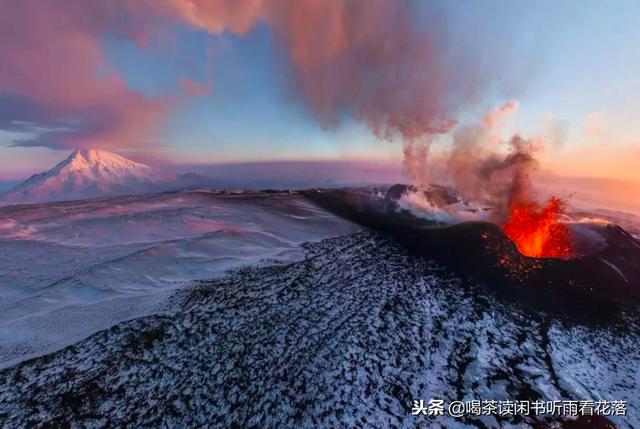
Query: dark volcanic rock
point(596, 283)
point(348, 337)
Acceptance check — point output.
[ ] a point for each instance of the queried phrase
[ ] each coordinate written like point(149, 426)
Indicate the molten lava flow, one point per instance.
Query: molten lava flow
point(536, 230)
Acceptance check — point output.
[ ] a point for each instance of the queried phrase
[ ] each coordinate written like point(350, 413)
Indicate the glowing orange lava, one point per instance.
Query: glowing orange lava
point(536, 230)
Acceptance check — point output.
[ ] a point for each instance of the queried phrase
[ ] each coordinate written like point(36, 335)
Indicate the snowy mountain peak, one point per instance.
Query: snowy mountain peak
point(97, 156)
point(103, 165)
point(86, 173)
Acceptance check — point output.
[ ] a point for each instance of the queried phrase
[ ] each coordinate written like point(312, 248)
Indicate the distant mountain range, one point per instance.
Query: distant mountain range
point(90, 173)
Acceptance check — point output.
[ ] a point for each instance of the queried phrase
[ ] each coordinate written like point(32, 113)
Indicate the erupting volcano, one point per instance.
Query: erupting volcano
point(537, 231)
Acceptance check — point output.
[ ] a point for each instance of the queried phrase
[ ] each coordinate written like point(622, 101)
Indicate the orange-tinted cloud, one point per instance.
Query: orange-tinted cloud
point(216, 16)
point(495, 117)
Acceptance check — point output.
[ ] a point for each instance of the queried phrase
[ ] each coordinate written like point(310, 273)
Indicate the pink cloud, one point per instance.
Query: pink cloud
point(194, 89)
point(53, 61)
point(363, 56)
point(369, 57)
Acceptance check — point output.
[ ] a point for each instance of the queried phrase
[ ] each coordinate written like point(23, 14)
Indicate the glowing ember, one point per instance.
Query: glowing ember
point(536, 230)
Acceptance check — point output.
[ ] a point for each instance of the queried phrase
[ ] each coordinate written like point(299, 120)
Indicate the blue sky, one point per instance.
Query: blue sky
point(576, 63)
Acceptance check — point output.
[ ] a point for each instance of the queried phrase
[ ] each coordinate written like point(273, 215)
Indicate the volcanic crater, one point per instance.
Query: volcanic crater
point(599, 268)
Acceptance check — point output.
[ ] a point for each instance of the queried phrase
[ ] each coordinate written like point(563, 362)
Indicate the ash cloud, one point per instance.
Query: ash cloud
point(481, 166)
point(506, 179)
point(365, 57)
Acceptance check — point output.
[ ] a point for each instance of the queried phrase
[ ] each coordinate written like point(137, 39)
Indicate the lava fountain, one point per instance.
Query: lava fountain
point(537, 231)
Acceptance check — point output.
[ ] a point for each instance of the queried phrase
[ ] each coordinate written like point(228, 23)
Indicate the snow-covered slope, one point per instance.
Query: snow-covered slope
point(348, 337)
point(70, 269)
point(86, 173)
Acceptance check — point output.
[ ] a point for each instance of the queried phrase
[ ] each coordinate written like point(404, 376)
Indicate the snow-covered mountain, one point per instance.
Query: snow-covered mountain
point(86, 173)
